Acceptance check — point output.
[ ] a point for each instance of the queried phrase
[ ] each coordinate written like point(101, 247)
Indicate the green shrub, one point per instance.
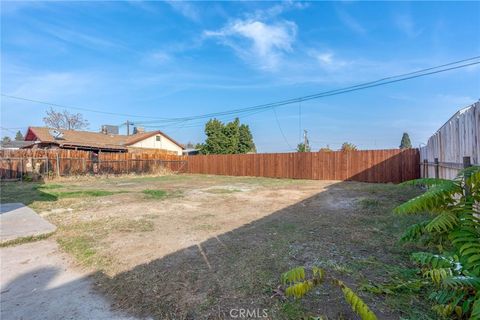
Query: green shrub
point(453, 268)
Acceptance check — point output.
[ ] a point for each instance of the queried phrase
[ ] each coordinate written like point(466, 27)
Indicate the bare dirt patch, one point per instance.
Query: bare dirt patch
point(222, 242)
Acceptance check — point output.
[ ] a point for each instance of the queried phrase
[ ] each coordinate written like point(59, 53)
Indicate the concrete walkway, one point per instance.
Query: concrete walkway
point(36, 280)
point(37, 283)
point(18, 220)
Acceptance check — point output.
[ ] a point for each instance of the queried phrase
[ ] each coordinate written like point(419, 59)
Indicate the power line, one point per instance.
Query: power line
point(362, 86)
point(281, 130)
point(366, 85)
point(78, 108)
point(371, 84)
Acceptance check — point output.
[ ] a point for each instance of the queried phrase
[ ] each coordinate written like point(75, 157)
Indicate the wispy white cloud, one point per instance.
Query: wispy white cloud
point(258, 43)
point(276, 10)
point(85, 38)
point(186, 9)
point(328, 60)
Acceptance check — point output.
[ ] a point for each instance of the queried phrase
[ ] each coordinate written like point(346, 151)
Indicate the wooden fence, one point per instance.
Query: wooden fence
point(369, 165)
point(366, 165)
point(458, 138)
point(15, 164)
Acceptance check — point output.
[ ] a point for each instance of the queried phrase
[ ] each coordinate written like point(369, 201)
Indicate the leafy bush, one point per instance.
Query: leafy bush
point(454, 231)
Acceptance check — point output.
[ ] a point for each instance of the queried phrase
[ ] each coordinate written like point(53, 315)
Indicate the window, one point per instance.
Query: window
point(158, 138)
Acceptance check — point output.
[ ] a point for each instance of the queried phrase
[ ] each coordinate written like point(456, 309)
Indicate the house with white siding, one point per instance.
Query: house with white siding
point(48, 138)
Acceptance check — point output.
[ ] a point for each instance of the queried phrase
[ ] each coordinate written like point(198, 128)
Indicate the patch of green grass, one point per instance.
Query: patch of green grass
point(82, 239)
point(104, 227)
point(49, 186)
point(82, 248)
point(24, 192)
point(155, 194)
point(292, 310)
point(159, 194)
point(84, 193)
point(368, 203)
point(23, 240)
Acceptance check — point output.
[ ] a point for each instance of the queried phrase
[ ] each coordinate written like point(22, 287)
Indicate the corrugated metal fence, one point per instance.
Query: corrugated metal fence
point(366, 165)
point(459, 137)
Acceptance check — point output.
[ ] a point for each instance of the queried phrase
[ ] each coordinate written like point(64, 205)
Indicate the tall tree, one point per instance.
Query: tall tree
point(347, 146)
point(245, 143)
point(405, 143)
point(232, 135)
point(19, 136)
point(65, 120)
point(229, 138)
point(216, 139)
point(6, 139)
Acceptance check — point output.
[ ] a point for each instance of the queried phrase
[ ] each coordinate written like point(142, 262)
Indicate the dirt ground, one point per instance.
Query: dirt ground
point(197, 246)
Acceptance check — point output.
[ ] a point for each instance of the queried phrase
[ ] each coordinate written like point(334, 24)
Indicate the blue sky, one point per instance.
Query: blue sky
point(176, 59)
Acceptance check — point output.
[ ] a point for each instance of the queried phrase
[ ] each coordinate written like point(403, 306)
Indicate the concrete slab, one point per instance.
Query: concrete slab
point(18, 220)
point(38, 283)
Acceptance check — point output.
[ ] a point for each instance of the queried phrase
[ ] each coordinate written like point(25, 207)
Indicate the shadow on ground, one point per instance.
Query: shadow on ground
point(241, 268)
point(336, 229)
point(25, 192)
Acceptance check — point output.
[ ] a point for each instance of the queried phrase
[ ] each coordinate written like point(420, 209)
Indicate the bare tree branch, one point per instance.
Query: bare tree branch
point(65, 120)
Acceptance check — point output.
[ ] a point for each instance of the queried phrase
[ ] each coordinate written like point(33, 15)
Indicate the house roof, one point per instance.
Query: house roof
point(14, 144)
point(90, 139)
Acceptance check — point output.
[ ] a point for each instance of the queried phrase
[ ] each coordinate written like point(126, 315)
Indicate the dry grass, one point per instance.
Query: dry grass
point(224, 241)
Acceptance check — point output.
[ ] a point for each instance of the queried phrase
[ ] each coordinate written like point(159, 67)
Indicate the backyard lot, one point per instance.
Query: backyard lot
point(196, 246)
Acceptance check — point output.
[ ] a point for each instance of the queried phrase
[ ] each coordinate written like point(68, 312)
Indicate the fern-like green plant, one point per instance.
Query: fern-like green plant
point(454, 228)
point(298, 285)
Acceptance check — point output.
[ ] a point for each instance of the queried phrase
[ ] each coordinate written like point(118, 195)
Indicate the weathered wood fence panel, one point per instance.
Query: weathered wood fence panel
point(14, 164)
point(459, 137)
point(366, 165)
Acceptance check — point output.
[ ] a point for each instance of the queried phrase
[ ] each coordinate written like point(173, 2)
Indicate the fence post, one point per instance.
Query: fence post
point(466, 163)
point(21, 170)
point(437, 165)
point(58, 165)
point(425, 168)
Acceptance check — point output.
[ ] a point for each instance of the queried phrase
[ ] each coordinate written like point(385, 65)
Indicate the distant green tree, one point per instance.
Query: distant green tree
point(6, 139)
point(232, 135)
point(347, 146)
point(245, 143)
point(229, 138)
point(19, 136)
point(301, 147)
point(216, 139)
point(405, 143)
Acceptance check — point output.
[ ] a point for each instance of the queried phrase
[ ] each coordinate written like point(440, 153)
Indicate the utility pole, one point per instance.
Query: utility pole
point(305, 140)
point(128, 128)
